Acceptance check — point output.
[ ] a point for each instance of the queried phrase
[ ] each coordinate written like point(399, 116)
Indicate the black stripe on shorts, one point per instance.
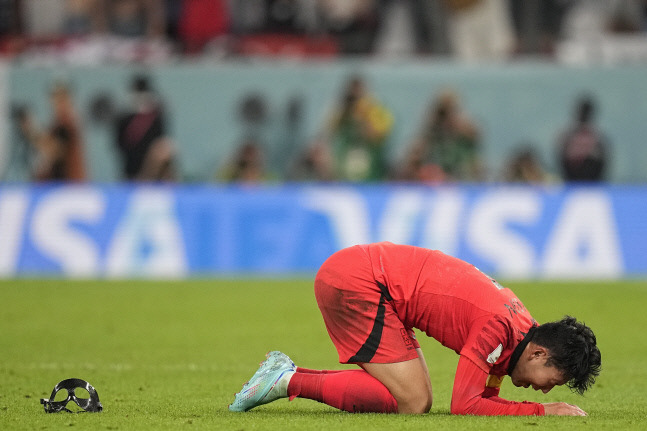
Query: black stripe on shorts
point(372, 343)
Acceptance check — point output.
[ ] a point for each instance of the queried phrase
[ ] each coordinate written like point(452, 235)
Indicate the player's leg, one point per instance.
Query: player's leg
point(354, 391)
point(366, 330)
point(407, 381)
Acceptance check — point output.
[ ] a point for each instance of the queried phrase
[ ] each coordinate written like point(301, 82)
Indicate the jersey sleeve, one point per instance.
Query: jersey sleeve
point(487, 340)
point(470, 396)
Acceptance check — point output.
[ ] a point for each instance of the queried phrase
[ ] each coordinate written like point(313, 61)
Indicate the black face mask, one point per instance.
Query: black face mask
point(91, 404)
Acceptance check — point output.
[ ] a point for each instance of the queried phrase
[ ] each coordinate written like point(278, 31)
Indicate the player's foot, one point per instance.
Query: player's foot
point(269, 383)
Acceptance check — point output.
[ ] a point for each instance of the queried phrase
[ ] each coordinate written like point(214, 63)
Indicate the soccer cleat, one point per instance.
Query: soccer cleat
point(269, 383)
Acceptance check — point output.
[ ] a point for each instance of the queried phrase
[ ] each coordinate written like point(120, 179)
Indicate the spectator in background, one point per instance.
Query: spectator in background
point(42, 19)
point(591, 19)
point(248, 16)
point(583, 150)
point(202, 22)
point(147, 152)
point(537, 25)
point(94, 31)
point(21, 151)
point(59, 154)
point(628, 16)
point(357, 134)
point(82, 17)
point(249, 161)
point(448, 146)
point(480, 30)
point(11, 27)
point(173, 14)
point(314, 163)
point(272, 16)
point(136, 18)
point(58, 19)
point(354, 23)
point(247, 165)
point(525, 167)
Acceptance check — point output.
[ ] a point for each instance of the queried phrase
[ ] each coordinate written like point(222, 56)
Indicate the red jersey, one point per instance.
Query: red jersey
point(465, 310)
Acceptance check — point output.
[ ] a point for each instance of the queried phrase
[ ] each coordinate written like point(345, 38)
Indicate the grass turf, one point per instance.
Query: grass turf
point(170, 355)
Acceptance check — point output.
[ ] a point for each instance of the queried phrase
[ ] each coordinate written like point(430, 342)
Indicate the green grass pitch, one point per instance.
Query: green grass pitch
point(171, 354)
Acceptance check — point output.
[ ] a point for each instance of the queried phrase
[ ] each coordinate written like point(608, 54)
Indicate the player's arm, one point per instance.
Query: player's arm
point(469, 397)
point(472, 396)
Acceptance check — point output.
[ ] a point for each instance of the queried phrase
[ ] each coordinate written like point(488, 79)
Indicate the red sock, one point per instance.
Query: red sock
point(354, 391)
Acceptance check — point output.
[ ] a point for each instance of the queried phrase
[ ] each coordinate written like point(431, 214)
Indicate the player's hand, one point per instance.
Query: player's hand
point(563, 409)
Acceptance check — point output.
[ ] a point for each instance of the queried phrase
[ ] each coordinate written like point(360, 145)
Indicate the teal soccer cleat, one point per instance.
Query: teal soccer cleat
point(269, 383)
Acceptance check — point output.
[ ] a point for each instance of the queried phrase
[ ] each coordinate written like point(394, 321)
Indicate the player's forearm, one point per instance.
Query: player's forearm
point(492, 394)
point(471, 397)
point(496, 406)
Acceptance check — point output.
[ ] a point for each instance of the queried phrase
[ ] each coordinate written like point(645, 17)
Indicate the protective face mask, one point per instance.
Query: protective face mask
point(91, 404)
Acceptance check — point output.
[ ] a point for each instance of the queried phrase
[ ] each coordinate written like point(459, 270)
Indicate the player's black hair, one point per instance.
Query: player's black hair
point(572, 349)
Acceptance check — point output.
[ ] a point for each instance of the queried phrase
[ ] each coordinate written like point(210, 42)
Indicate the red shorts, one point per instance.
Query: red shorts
point(359, 317)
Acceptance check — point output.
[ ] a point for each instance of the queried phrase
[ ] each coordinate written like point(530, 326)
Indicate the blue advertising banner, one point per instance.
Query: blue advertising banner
point(211, 230)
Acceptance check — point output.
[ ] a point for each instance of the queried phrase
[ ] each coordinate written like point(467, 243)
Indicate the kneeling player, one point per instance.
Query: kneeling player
point(372, 296)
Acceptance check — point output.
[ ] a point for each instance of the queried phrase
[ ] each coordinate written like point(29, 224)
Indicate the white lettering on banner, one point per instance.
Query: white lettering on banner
point(441, 229)
point(400, 215)
point(489, 235)
point(349, 217)
point(347, 211)
point(148, 239)
point(13, 206)
point(53, 235)
point(584, 240)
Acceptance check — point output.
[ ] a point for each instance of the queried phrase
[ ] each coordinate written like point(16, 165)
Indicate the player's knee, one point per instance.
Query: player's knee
point(419, 406)
point(427, 402)
point(423, 406)
point(416, 403)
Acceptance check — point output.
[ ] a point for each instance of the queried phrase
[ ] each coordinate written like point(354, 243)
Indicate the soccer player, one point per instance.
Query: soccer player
point(372, 296)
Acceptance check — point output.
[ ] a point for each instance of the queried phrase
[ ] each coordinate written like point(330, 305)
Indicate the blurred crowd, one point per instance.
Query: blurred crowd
point(447, 148)
point(95, 31)
point(352, 144)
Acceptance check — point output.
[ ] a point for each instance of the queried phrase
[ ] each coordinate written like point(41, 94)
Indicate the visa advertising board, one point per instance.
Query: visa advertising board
point(181, 231)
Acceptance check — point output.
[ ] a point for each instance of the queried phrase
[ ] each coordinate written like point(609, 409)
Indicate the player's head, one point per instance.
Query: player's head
point(572, 350)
